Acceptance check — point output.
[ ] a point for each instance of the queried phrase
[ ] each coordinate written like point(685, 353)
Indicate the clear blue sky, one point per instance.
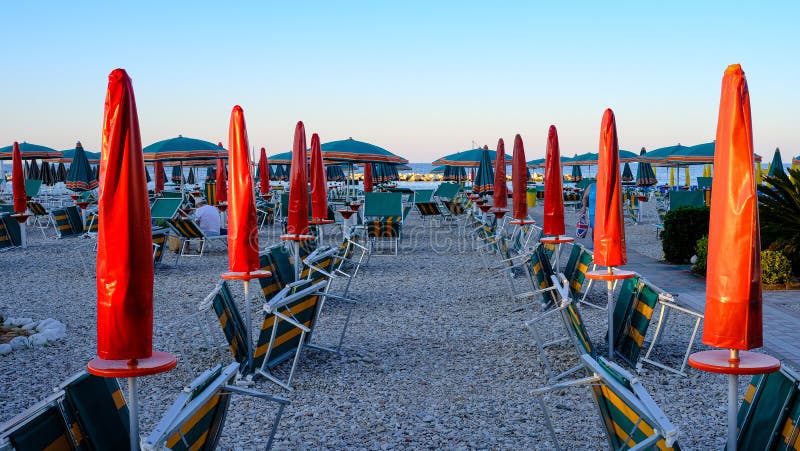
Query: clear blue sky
point(421, 79)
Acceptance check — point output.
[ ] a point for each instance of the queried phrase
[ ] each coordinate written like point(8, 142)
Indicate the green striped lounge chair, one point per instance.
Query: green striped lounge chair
point(9, 232)
point(540, 271)
point(630, 417)
point(385, 213)
point(196, 418)
point(159, 243)
point(68, 221)
point(189, 232)
point(580, 261)
point(769, 416)
point(211, 192)
point(41, 217)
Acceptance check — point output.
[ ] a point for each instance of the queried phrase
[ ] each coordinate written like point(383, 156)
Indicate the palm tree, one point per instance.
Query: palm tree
point(779, 213)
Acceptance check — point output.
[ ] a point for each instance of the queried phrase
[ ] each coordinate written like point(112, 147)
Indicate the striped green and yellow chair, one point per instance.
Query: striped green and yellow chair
point(42, 427)
point(631, 418)
point(100, 410)
point(92, 225)
point(271, 285)
point(210, 192)
point(540, 271)
point(383, 213)
point(159, 243)
point(41, 217)
point(6, 228)
point(189, 232)
point(579, 263)
point(68, 221)
point(196, 419)
point(770, 412)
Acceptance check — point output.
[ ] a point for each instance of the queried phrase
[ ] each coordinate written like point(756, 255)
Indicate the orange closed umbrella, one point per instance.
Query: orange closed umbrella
point(609, 233)
point(519, 179)
point(158, 169)
point(124, 252)
point(553, 190)
point(242, 230)
point(18, 181)
point(500, 195)
point(222, 182)
point(297, 221)
point(368, 177)
point(319, 185)
point(263, 173)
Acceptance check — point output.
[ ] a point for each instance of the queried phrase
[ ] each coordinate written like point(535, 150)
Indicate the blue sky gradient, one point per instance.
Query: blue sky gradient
point(421, 79)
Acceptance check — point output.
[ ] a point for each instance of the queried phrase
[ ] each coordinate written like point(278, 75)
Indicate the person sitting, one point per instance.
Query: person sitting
point(208, 219)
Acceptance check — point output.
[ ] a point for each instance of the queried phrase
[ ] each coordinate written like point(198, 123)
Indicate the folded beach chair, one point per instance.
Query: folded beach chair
point(41, 217)
point(580, 261)
point(447, 191)
point(196, 418)
point(540, 272)
point(769, 416)
point(636, 301)
point(383, 213)
point(159, 243)
point(10, 235)
point(68, 221)
point(189, 232)
point(631, 418)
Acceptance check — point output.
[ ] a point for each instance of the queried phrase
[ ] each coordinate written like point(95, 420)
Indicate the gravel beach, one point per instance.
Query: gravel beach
point(436, 355)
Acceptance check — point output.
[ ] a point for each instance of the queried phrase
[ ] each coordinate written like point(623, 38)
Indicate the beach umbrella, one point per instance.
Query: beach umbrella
point(777, 164)
point(177, 174)
point(26, 169)
point(537, 163)
point(263, 172)
point(221, 186)
point(468, 158)
point(209, 174)
point(500, 195)
point(334, 173)
point(61, 173)
point(68, 154)
point(281, 158)
point(454, 173)
point(297, 223)
point(160, 175)
point(645, 176)
point(357, 151)
point(519, 180)
point(29, 151)
point(96, 171)
point(319, 185)
point(553, 189)
point(18, 181)
point(183, 149)
point(46, 177)
point(484, 178)
point(659, 157)
point(33, 171)
point(368, 178)
point(627, 173)
point(242, 230)
point(577, 175)
point(733, 307)
point(148, 179)
point(190, 178)
point(124, 253)
point(699, 154)
point(81, 176)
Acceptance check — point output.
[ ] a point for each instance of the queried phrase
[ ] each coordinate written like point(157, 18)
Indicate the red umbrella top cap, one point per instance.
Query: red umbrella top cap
point(297, 221)
point(242, 230)
point(733, 280)
point(124, 249)
point(609, 233)
point(500, 196)
point(319, 185)
point(263, 174)
point(519, 179)
point(553, 192)
point(18, 180)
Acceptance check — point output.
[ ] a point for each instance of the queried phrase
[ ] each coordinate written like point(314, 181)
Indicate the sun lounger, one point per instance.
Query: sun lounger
point(41, 217)
point(189, 232)
point(159, 243)
point(580, 261)
point(10, 234)
point(383, 213)
point(165, 208)
point(769, 416)
point(68, 221)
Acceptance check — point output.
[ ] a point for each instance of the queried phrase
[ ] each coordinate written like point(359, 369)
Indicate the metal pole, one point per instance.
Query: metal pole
point(733, 392)
point(248, 319)
point(610, 307)
point(23, 235)
point(296, 250)
point(134, 414)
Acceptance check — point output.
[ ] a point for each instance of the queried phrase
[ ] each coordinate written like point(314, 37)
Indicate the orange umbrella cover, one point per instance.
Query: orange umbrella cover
point(319, 185)
point(519, 176)
point(263, 172)
point(500, 195)
point(609, 234)
point(368, 177)
point(124, 250)
point(733, 282)
point(221, 179)
point(297, 221)
point(18, 181)
point(242, 230)
point(553, 191)
point(158, 169)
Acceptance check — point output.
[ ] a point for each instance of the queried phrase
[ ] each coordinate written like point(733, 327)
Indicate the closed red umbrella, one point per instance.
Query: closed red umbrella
point(500, 196)
point(367, 178)
point(472, 174)
point(158, 172)
point(242, 229)
point(263, 173)
point(553, 191)
point(18, 181)
point(222, 182)
point(297, 221)
point(519, 179)
point(124, 251)
point(319, 185)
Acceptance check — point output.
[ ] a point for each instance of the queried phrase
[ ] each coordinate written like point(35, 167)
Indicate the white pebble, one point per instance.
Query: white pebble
point(37, 339)
point(19, 342)
point(5, 349)
point(31, 325)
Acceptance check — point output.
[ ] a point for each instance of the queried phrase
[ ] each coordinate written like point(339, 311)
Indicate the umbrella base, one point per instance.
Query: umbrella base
point(557, 239)
point(522, 222)
point(749, 363)
point(258, 274)
point(294, 237)
point(157, 363)
point(616, 274)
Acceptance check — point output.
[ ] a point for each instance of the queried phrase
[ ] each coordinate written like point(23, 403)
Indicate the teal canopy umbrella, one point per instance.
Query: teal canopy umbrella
point(645, 176)
point(699, 154)
point(484, 178)
point(67, 156)
point(438, 170)
point(659, 157)
point(80, 177)
point(358, 152)
point(281, 158)
point(468, 158)
point(29, 152)
point(454, 173)
point(183, 149)
point(627, 173)
point(777, 164)
point(538, 163)
point(147, 175)
point(61, 173)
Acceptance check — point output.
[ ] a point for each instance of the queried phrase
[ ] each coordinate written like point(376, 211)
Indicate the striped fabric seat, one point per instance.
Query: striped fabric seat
point(428, 208)
point(46, 429)
point(100, 409)
point(68, 221)
point(577, 330)
point(633, 311)
point(92, 224)
point(5, 236)
point(233, 326)
point(37, 209)
point(159, 243)
point(770, 412)
point(455, 208)
point(271, 285)
point(579, 263)
point(540, 272)
point(211, 192)
point(388, 227)
point(186, 228)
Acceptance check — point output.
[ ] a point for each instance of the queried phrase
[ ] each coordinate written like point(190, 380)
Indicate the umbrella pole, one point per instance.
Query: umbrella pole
point(610, 307)
point(296, 252)
point(248, 318)
point(23, 235)
point(134, 412)
point(733, 395)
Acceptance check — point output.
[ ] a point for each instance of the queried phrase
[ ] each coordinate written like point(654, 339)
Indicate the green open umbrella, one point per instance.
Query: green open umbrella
point(183, 149)
point(627, 173)
point(468, 158)
point(29, 152)
point(484, 178)
point(80, 177)
point(777, 164)
point(359, 152)
point(69, 154)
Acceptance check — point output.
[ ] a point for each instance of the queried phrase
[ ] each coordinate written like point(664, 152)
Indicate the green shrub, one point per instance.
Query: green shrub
point(682, 228)
point(775, 268)
point(702, 255)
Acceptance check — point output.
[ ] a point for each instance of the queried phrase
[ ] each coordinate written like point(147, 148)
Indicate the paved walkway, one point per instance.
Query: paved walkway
point(781, 308)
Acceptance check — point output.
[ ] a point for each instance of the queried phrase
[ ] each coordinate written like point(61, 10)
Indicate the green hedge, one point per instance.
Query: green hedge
point(682, 228)
point(775, 268)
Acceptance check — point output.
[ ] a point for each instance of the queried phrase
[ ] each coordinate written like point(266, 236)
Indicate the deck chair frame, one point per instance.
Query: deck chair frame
point(189, 232)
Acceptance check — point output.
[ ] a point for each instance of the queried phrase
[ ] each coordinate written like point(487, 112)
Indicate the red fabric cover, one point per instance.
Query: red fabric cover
point(519, 179)
point(297, 222)
point(733, 281)
point(18, 181)
point(242, 229)
point(263, 174)
point(500, 196)
point(124, 244)
point(472, 175)
point(553, 190)
point(158, 169)
point(368, 177)
point(222, 182)
point(319, 185)
point(609, 233)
